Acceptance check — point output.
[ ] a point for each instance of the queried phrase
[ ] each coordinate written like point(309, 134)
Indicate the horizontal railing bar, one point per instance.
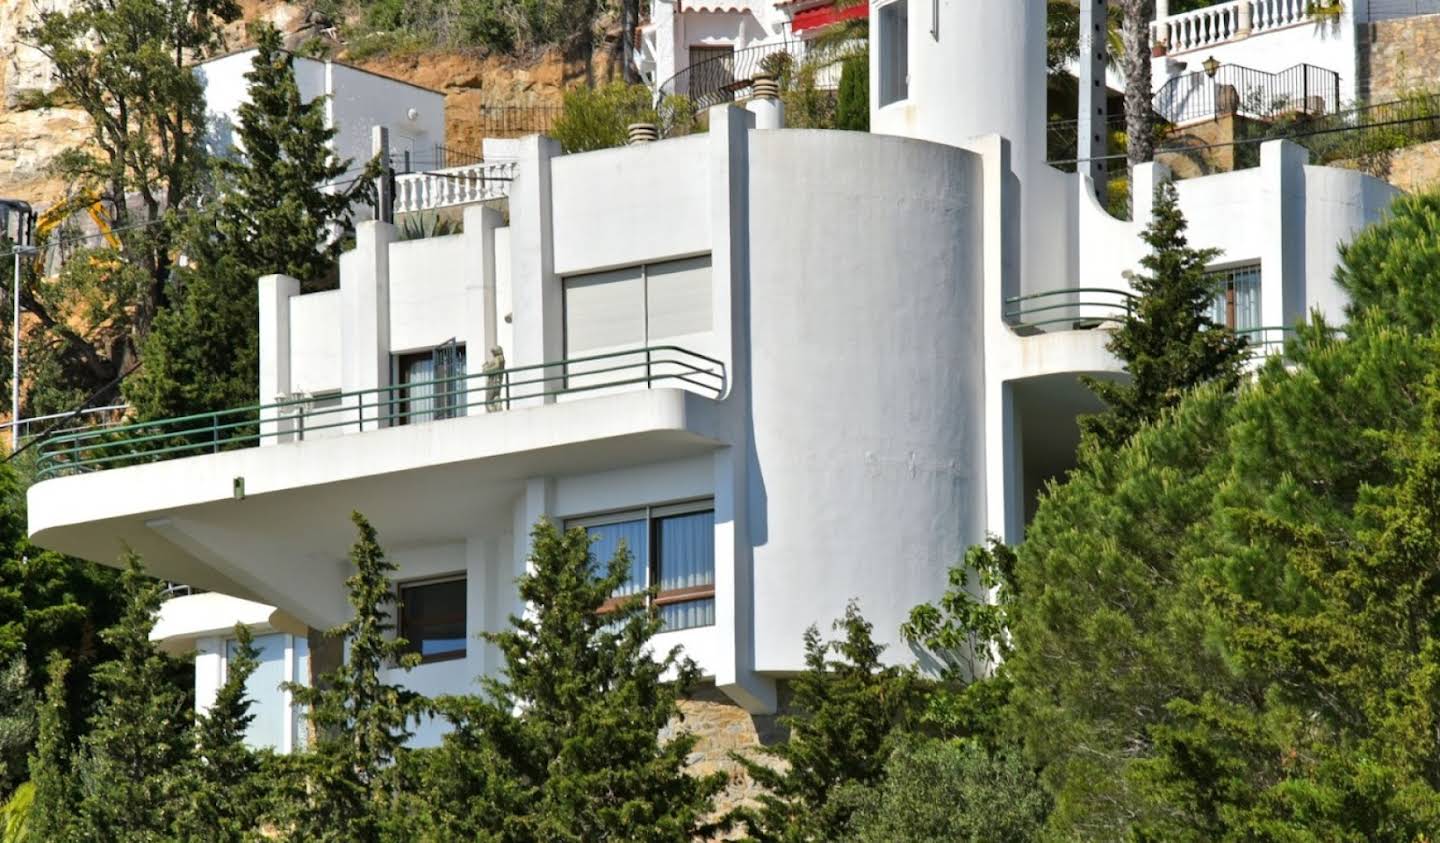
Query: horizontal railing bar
point(449, 397)
point(1071, 290)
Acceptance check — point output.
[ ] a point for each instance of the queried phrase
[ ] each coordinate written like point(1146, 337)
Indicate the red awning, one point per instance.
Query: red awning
point(826, 15)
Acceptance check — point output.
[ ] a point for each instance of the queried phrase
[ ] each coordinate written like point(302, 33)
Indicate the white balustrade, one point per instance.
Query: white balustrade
point(453, 186)
point(1217, 24)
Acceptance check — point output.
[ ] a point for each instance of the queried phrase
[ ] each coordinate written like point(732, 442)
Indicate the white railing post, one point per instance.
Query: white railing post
point(1246, 22)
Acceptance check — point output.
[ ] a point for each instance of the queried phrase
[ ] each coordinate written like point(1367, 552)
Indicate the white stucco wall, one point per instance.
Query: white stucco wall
point(314, 343)
point(427, 294)
point(602, 199)
point(867, 380)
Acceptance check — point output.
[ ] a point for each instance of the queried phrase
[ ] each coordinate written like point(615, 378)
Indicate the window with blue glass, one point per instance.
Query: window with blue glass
point(672, 547)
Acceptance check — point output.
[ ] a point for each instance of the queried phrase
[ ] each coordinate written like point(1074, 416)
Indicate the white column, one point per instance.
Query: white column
point(365, 316)
point(275, 292)
point(1282, 258)
point(538, 322)
point(1247, 19)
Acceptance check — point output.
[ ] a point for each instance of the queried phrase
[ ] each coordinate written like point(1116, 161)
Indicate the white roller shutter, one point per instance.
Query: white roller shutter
point(679, 300)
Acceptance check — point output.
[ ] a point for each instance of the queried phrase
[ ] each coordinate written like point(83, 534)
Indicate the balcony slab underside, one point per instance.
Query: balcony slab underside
point(285, 542)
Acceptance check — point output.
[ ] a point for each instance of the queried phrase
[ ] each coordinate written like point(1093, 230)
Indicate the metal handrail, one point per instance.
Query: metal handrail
point(721, 79)
point(1080, 306)
point(1235, 89)
point(387, 406)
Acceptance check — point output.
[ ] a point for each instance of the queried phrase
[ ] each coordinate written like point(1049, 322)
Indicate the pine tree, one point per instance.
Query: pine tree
point(1396, 266)
point(141, 740)
point(849, 711)
point(224, 795)
point(277, 210)
point(566, 745)
point(347, 790)
point(1168, 342)
point(55, 811)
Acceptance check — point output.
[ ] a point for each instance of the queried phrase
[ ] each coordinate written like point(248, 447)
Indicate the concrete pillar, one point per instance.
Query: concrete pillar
point(365, 317)
point(484, 609)
point(1144, 177)
point(1282, 258)
point(538, 323)
point(275, 292)
point(1247, 20)
point(729, 174)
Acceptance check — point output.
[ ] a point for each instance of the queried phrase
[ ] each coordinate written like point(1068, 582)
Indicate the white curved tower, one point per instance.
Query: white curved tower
point(950, 70)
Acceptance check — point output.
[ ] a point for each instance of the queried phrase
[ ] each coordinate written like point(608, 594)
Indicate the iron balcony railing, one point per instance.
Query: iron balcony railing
point(726, 77)
point(1233, 89)
point(370, 409)
point(1087, 308)
point(1074, 308)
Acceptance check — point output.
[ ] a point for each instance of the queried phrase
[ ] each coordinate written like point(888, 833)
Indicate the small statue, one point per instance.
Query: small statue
point(494, 370)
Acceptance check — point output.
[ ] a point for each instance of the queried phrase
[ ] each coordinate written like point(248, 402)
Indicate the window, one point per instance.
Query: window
point(894, 52)
point(1237, 298)
point(434, 394)
point(637, 305)
point(670, 546)
point(432, 618)
point(278, 723)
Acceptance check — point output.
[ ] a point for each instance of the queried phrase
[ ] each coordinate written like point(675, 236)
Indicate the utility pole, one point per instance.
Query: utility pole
point(24, 233)
point(1091, 129)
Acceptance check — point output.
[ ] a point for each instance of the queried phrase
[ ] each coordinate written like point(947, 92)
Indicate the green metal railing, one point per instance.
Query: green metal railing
point(1072, 308)
point(292, 420)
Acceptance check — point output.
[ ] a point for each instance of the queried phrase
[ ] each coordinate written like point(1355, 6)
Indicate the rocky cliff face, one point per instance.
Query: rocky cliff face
point(36, 125)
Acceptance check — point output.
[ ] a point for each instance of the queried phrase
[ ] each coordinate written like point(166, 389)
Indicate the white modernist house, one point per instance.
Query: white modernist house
point(790, 368)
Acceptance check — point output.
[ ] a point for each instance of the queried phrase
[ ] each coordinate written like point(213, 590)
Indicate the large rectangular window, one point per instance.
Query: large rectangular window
point(432, 384)
point(1237, 298)
point(278, 724)
point(894, 52)
point(432, 618)
point(637, 306)
point(672, 547)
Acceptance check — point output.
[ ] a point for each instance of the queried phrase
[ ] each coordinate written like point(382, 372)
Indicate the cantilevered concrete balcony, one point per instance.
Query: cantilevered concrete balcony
point(204, 503)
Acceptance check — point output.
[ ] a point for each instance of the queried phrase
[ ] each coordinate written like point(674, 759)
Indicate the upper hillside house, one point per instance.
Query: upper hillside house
point(790, 368)
point(710, 50)
point(357, 101)
point(1267, 57)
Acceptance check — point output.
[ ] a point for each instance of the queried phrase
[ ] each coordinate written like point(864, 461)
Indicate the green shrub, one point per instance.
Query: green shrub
point(597, 118)
point(952, 791)
point(852, 108)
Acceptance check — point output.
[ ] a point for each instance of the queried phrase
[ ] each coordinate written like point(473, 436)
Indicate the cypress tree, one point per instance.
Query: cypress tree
point(17, 724)
point(224, 794)
point(54, 813)
point(849, 710)
point(271, 214)
point(566, 745)
point(140, 741)
point(852, 106)
point(347, 789)
point(1167, 342)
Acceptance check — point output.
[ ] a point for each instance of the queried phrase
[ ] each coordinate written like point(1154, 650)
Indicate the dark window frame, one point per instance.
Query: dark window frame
point(402, 619)
point(445, 406)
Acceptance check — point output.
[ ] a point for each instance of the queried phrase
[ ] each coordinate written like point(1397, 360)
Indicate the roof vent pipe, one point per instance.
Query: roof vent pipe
point(766, 105)
point(642, 133)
